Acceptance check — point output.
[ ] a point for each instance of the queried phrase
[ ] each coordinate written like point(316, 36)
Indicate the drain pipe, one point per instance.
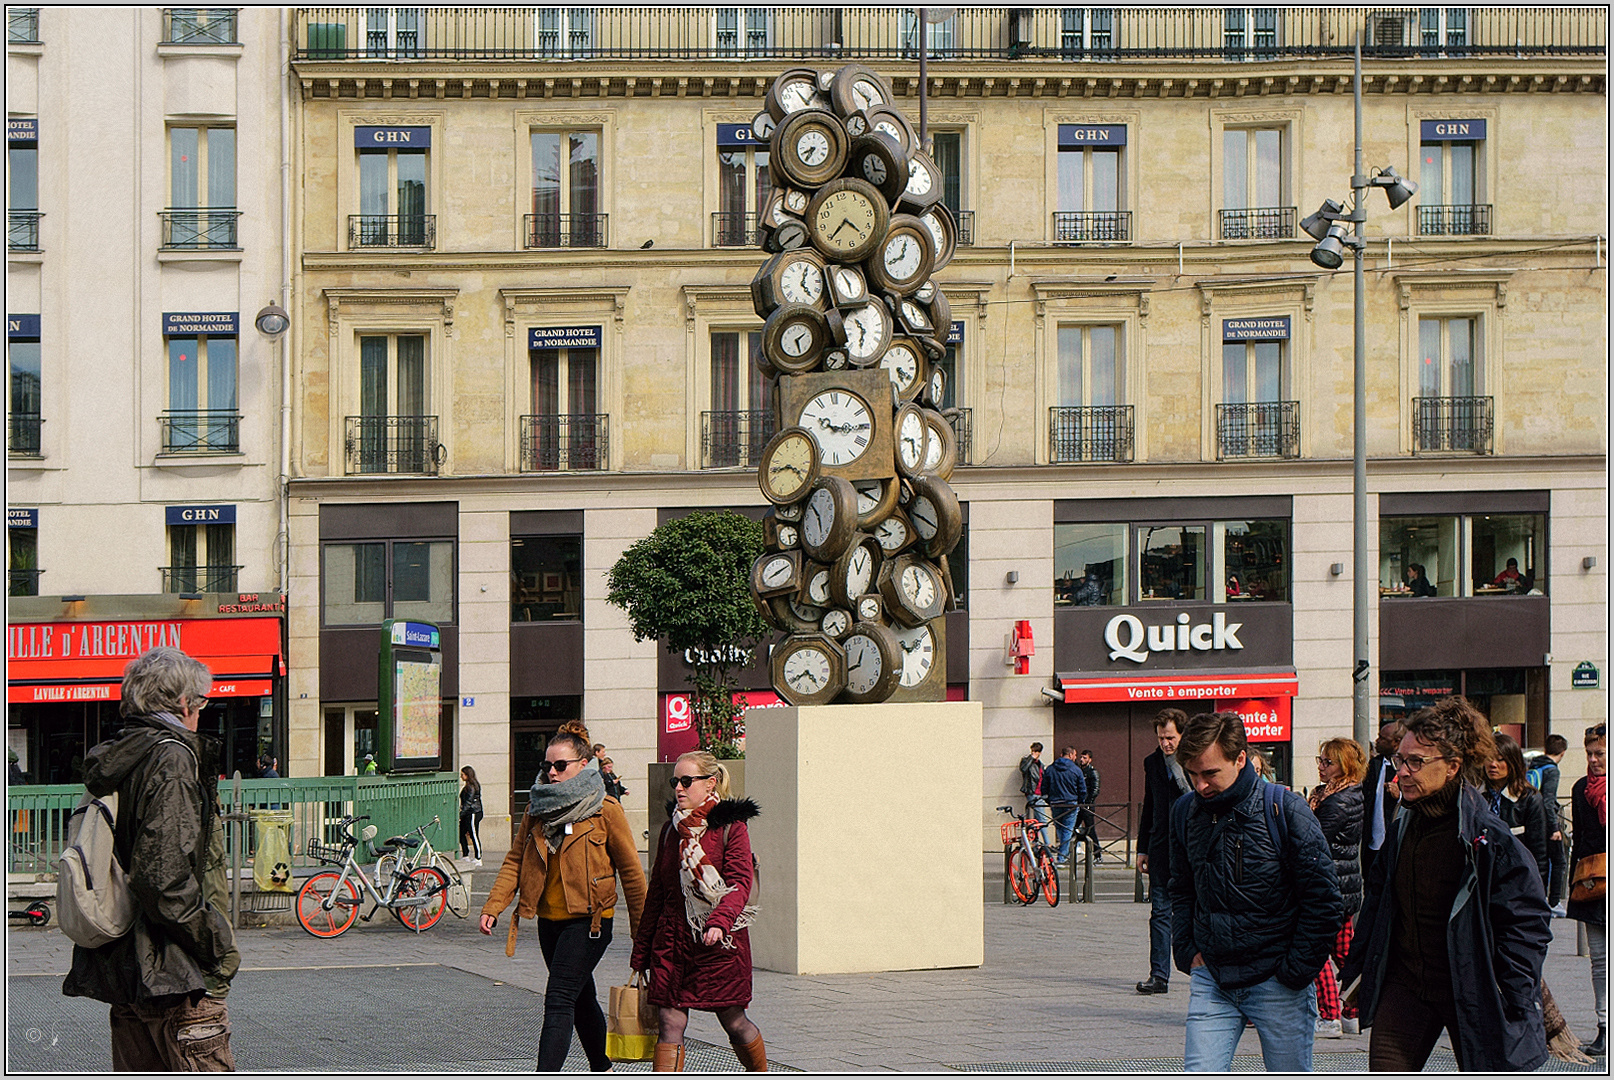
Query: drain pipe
point(283, 539)
point(1179, 258)
point(1011, 258)
point(1389, 253)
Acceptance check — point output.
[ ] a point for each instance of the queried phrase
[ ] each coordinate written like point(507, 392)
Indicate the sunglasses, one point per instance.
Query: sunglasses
point(545, 766)
point(685, 781)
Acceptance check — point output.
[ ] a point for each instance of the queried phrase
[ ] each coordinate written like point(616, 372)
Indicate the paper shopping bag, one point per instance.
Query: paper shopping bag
point(633, 1023)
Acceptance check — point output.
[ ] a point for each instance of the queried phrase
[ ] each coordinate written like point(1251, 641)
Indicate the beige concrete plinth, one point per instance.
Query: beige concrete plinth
point(869, 838)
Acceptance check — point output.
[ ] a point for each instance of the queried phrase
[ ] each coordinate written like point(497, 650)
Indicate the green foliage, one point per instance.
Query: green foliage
point(688, 583)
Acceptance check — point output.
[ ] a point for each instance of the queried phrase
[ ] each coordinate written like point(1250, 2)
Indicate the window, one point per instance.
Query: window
point(1449, 202)
point(201, 182)
point(1250, 33)
point(23, 566)
point(1448, 349)
point(23, 405)
point(1255, 417)
point(566, 429)
point(1252, 371)
point(1442, 30)
point(546, 578)
point(201, 416)
point(22, 25)
point(1507, 554)
point(200, 26)
point(743, 186)
point(393, 431)
point(1091, 423)
point(1254, 185)
point(388, 579)
point(1085, 31)
point(958, 566)
point(741, 420)
point(392, 33)
point(565, 190)
point(22, 211)
point(1090, 184)
point(1418, 556)
point(1253, 560)
point(1090, 565)
point(565, 32)
point(392, 200)
point(742, 31)
point(939, 37)
point(1171, 562)
point(947, 151)
point(201, 559)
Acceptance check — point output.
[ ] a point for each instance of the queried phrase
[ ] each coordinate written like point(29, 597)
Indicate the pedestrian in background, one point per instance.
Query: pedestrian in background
point(1065, 785)
point(1163, 784)
point(693, 940)
point(1337, 803)
point(1455, 925)
point(1031, 786)
point(1518, 804)
point(1255, 903)
point(573, 844)
point(167, 978)
point(1544, 768)
point(614, 786)
point(1379, 793)
point(1087, 818)
point(369, 766)
point(470, 816)
point(1588, 807)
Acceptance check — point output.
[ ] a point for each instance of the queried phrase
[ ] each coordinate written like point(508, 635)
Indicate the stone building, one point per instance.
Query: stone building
point(522, 337)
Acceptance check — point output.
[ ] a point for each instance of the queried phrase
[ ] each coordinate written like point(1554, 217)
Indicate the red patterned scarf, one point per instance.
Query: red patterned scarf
point(701, 882)
point(1597, 795)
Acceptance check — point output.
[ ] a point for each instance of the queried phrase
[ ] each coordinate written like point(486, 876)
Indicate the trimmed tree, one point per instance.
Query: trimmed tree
point(688, 583)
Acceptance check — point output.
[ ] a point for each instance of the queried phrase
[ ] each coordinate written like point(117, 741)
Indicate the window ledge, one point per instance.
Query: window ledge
point(188, 255)
point(37, 258)
point(30, 463)
point(25, 48)
point(172, 460)
point(230, 51)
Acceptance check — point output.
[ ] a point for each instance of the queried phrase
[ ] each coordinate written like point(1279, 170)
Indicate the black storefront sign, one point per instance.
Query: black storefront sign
point(1143, 639)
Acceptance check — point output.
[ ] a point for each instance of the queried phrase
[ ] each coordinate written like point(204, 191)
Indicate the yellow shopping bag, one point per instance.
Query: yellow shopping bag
point(633, 1024)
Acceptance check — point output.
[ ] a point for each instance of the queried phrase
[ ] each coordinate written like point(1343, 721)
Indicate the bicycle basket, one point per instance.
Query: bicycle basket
point(325, 853)
point(1012, 830)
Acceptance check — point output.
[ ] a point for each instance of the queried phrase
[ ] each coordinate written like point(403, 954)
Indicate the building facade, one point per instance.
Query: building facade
point(523, 336)
point(144, 410)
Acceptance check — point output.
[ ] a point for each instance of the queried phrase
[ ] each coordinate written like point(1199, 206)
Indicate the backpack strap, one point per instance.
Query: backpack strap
point(1277, 820)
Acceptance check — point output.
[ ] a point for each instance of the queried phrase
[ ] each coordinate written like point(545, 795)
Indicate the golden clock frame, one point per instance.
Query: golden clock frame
point(873, 385)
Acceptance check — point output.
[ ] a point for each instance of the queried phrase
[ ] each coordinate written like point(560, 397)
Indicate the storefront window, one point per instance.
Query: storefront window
point(1255, 560)
point(400, 579)
point(546, 579)
point(1418, 556)
point(1171, 562)
point(1506, 552)
point(1090, 565)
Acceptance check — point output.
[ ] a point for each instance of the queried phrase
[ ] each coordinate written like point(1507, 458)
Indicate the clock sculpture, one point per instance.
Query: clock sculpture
point(855, 572)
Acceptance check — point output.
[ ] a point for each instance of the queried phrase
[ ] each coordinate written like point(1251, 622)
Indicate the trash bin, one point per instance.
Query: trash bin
point(271, 861)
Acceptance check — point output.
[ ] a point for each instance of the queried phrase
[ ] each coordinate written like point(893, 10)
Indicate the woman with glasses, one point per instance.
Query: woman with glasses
point(573, 844)
point(693, 939)
point(1589, 814)
point(1517, 803)
point(1337, 802)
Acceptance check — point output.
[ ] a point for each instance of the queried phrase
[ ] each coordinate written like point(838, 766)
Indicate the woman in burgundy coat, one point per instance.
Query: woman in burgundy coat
point(692, 938)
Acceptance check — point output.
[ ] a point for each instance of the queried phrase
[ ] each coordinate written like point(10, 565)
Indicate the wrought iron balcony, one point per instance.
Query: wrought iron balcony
point(1259, 429)
point(22, 230)
point(22, 434)
point(1079, 226)
point(200, 579)
point(1453, 424)
point(22, 28)
point(392, 230)
point(23, 582)
point(197, 229)
point(566, 230)
point(1090, 433)
point(567, 441)
point(199, 26)
point(1259, 223)
point(1472, 220)
point(392, 444)
point(959, 419)
point(201, 431)
point(734, 229)
point(735, 438)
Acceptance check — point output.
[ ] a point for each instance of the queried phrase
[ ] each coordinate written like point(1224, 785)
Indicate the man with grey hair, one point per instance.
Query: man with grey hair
point(166, 979)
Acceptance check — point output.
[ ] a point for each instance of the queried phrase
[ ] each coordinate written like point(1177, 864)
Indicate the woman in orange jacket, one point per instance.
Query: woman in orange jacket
point(572, 845)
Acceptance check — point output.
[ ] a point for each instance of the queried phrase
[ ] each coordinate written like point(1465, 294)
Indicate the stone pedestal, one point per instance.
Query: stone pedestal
point(869, 839)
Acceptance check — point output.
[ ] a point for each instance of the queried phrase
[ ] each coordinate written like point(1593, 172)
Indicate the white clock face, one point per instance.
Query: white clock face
point(796, 339)
point(848, 282)
point(919, 180)
point(912, 439)
point(901, 257)
point(856, 125)
point(787, 536)
point(859, 571)
point(892, 130)
point(807, 613)
point(836, 622)
point(819, 518)
point(934, 449)
point(802, 282)
point(874, 169)
point(812, 148)
point(868, 608)
point(842, 423)
point(928, 289)
point(933, 223)
point(902, 365)
point(845, 220)
point(866, 94)
point(923, 513)
point(835, 361)
point(797, 96)
point(915, 315)
point(918, 655)
point(762, 126)
point(796, 201)
point(938, 386)
point(918, 585)
point(869, 493)
point(891, 533)
point(806, 670)
point(866, 329)
point(791, 512)
point(776, 572)
point(818, 587)
point(863, 663)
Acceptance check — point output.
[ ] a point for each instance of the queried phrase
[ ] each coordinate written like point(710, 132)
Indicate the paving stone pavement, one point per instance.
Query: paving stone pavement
point(1056, 990)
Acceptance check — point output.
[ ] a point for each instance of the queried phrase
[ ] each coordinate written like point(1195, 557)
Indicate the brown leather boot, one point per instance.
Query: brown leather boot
point(669, 1058)
point(753, 1055)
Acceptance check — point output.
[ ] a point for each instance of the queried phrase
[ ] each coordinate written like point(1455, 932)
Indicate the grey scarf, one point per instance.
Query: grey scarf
point(558, 805)
point(1177, 774)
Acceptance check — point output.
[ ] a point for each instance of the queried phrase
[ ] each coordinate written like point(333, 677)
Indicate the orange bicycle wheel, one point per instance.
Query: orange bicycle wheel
point(1050, 880)
point(1023, 877)
point(322, 909)
point(427, 881)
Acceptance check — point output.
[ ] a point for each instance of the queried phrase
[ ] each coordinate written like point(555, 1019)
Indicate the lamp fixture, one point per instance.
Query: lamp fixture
point(1588, 562)
point(272, 321)
point(1336, 568)
point(1054, 697)
point(1330, 251)
point(1012, 577)
point(1396, 187)
point(1317, 224)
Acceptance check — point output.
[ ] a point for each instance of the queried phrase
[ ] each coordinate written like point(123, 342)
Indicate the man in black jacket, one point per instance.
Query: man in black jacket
point(1255, 903)
point(1379, 798)
point(1548, 764)
point(1163, 784)
point(1085, 830)
point(1066, 788)
point(166, 979)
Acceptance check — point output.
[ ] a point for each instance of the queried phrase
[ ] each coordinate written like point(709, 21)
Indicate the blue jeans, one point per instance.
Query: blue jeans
point(1037, 807)
point(1064, 825)
point(1285, 1019)
point(1159, 929)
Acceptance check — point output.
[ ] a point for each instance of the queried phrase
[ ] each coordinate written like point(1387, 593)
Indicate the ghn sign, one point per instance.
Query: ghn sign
point(1444, 130)
point(1091, 135)
point(22, 327)
point(737, 136)
point(392, 138)
point(201, 515)
point(1129, 639)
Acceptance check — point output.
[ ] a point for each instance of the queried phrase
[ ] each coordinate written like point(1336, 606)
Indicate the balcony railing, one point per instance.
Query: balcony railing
point(566, 230)
point(22, 582)
point(1455, 220)
point(22, 26)
point(392, 230)
point(1079, 226)
point(959, 420)
point(22, 434)
point(734, 229)
point(1453, 424)
point(1090, 433)
point(392, 444)
point(199, 26)
point(836, 34)
point(199, 579)
point(966, 227)
point(574, 441)
point(195, 229)
point(22, 230)
point(1259, 223)
point(735, 438)
point(1260, 429)
point(201, 431)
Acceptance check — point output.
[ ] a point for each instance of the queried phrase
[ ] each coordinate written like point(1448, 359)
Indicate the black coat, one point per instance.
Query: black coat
point(1591, 838)
point(1496, 938)
point(1340, 816)
point(1251, 912)
point(1154, 828)
point(1526, 817)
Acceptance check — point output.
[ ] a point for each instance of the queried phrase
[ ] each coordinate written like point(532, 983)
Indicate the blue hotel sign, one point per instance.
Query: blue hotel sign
point(1078, 135)
point(737, 136)
point(18, 517)
point(1269, 328)
point(392, 138)
point(201, 515)
point(955, 332)
point(198, 322)
point(1446, 130)
point(22, 130)
point(22, 327)
point(564, 337)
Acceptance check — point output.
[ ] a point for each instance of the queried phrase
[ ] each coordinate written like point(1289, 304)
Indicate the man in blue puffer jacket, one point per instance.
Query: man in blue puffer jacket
point(1255, 903)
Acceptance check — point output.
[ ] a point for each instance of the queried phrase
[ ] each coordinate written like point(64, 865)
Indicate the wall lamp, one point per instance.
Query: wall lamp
point(272, 321)
point(1588, 562)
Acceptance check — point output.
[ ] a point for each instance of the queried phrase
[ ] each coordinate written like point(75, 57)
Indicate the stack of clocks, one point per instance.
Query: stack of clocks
point(855, 570)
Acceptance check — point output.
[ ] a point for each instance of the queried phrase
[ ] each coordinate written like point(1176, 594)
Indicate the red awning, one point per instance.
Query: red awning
point(1171, 686)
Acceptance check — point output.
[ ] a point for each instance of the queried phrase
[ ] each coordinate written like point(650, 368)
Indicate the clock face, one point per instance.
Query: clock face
point(836, 622)
point(913, 439)
point(915, 316)
point(934, 452)
point(865, 663)
point(842, 424)
point(856, 571)
point(795, 201)
point(818, 587)
point(802, 282)
point(787, 466)
point(762, 125)
point(937, 387)
point(800, 94)
point(789, 513)
point(856, 125)
point(866, 94)
point(902, 255)
point(868, 608)
point(927, 290)
point(812, 147)
point(868, 330)
point(818, 518)
point(776, 572)
point(807, 670)
point(787, 536)
point(922, 512)
point(796, 339)
point(919, 586)
point(918, 655)
point(875, 169)
point(805, 614)
point(893, 534)
point(845, 223)
point(901, 362)
point(919, 179)
point(848, 283)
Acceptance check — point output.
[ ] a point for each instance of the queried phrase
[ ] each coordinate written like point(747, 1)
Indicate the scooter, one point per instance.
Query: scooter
point(36, 913)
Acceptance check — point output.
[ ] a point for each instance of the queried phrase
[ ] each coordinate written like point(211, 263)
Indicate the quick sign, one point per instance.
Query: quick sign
point(18, 517)
point(1272, 328)
point(419, 635)
point(1081, 135)
point(564, 337)
point(1585, 676)
point(201, 515)
point(22, 327)
point(22, 131)
point(734, 136)
point(199, 322)
point(1444, 130)
point(1129, 639)
point(392, 138)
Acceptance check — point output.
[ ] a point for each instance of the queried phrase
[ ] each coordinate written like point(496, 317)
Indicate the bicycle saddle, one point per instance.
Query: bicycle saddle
point(402, 841)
